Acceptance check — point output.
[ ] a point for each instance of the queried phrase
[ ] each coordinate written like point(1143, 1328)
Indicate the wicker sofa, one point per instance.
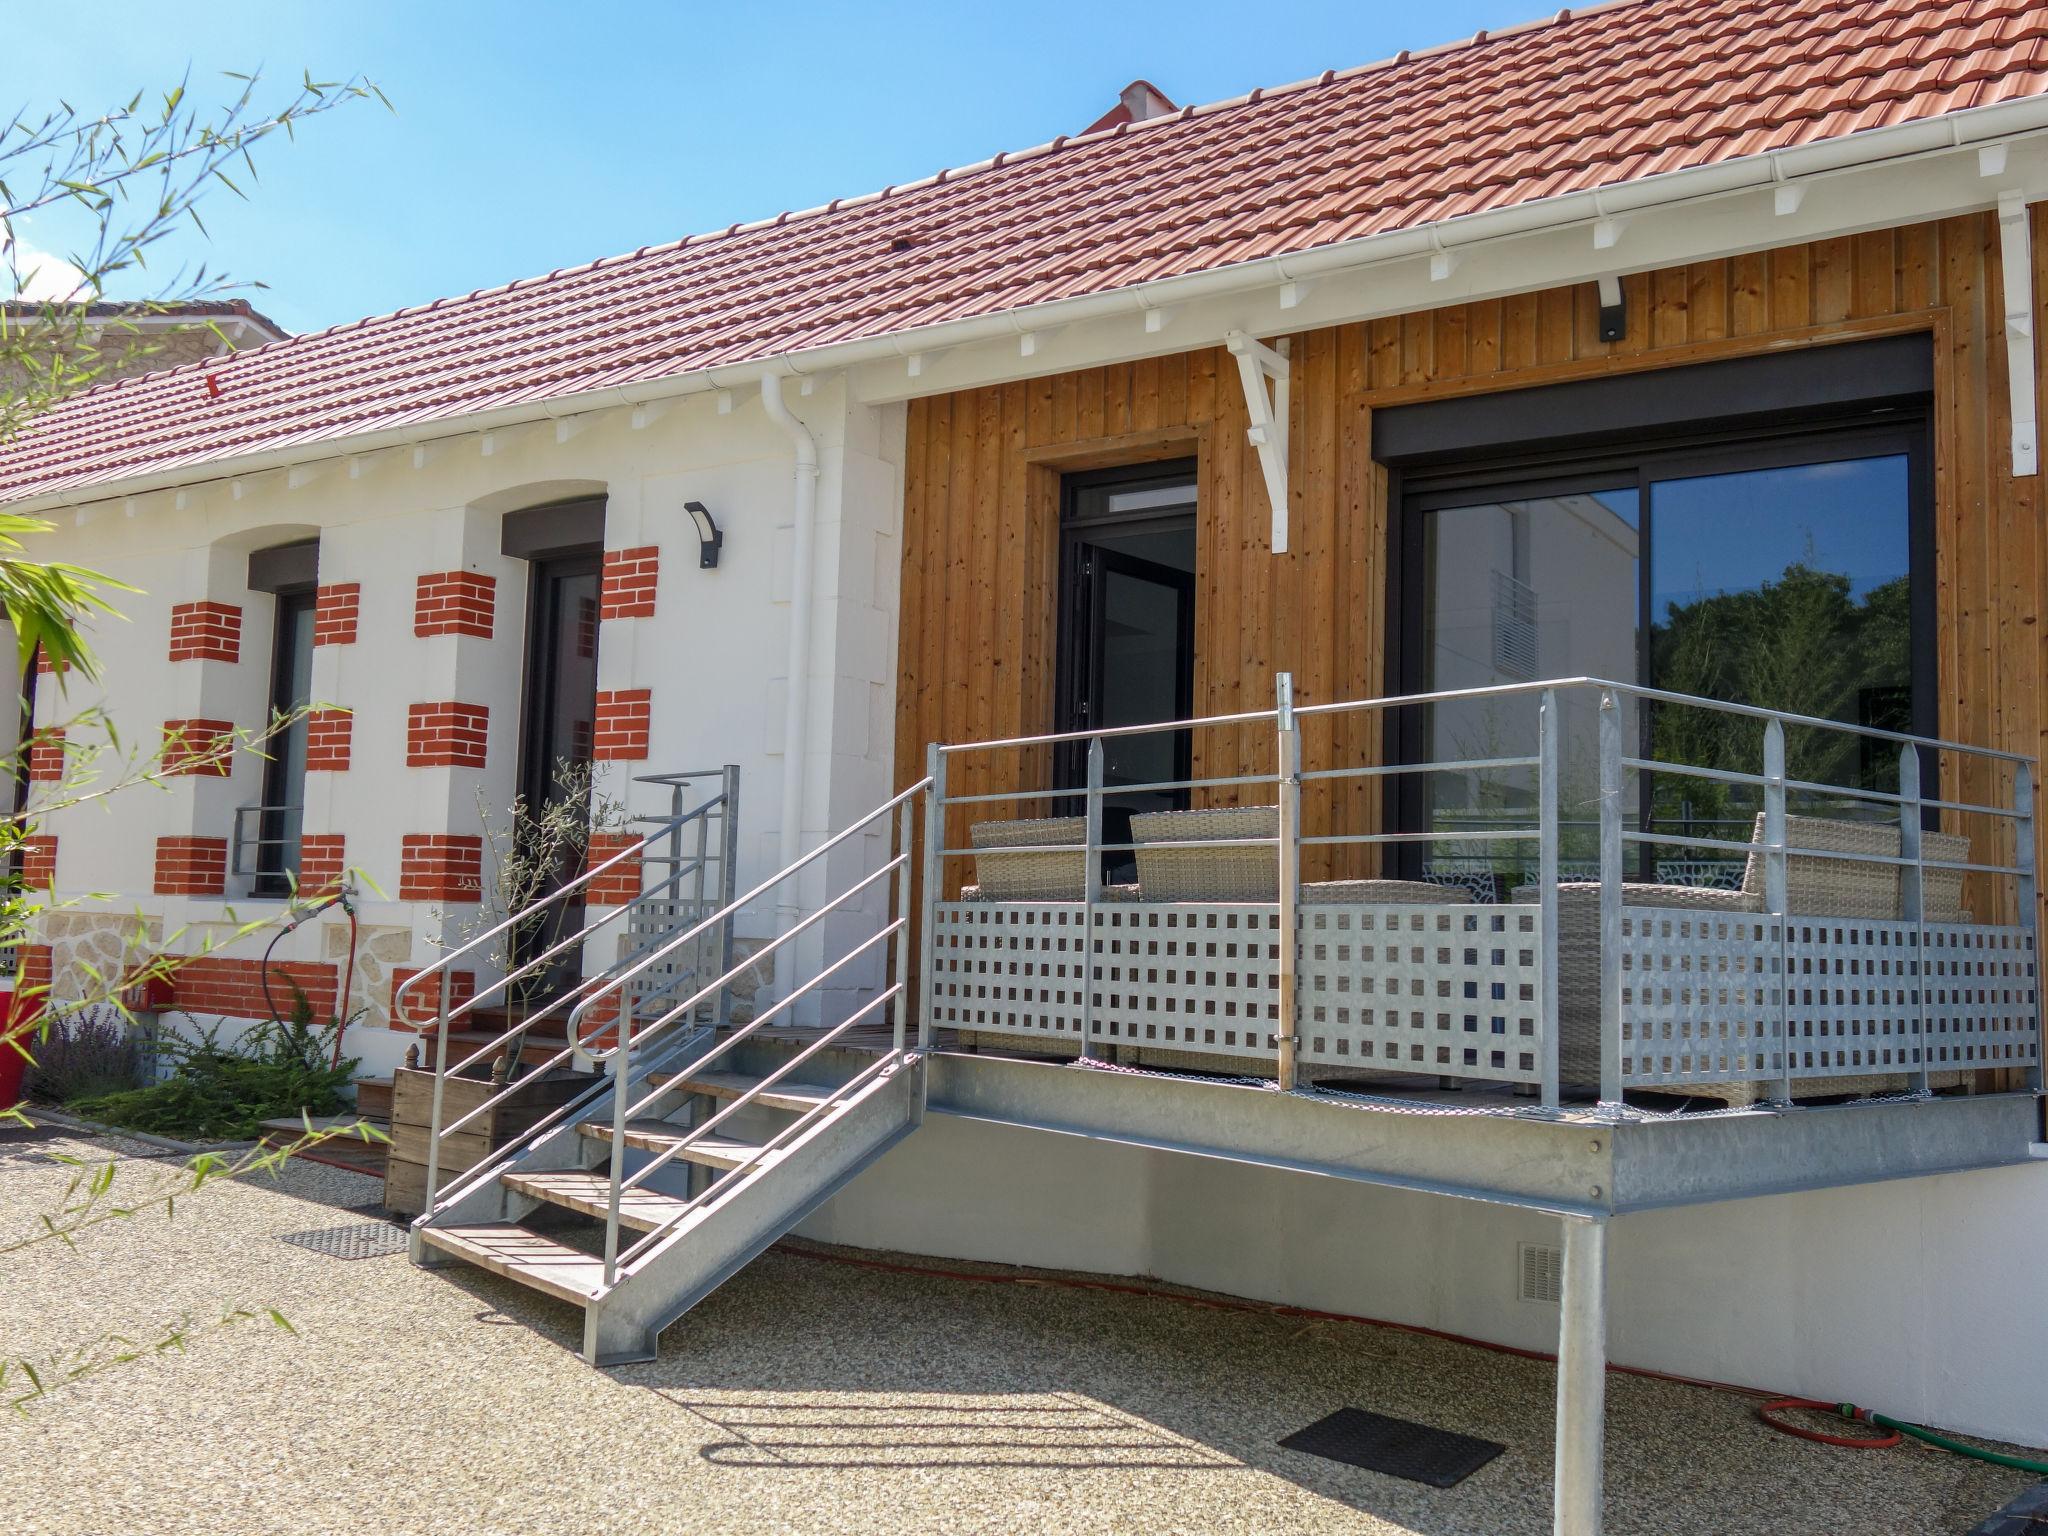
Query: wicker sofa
point(1815, 886)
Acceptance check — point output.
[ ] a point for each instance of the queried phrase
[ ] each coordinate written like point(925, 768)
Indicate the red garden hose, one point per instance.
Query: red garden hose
point(1850, 1442)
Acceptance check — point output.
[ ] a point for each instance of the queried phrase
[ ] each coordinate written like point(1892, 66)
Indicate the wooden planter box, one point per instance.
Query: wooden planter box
point(412, 1109)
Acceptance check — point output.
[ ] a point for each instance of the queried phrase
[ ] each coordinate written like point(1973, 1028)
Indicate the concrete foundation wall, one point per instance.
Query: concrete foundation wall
point(1919, 1297)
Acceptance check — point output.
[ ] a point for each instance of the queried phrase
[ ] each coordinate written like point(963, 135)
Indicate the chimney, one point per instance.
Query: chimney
point(1137, 102)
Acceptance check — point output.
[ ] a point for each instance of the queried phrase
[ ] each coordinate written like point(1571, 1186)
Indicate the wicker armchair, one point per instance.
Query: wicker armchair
point(1815, 886)
point(1247, 872)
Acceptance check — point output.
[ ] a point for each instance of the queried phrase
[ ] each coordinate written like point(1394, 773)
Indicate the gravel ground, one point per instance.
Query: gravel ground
point(806, 1396)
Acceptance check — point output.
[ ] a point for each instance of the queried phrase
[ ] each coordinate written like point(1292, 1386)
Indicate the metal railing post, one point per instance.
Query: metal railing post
point(1610, 897)
point(934, 881)
point(1546, 891)
point(1578, 1493)
point(621, 1077)
point(1913, 899)
point(1776, 899)
point(728, 878)
point(2029, 914)
point(440, 1081)
point(1287, 746)
point(1091, 891)
point(906, 831)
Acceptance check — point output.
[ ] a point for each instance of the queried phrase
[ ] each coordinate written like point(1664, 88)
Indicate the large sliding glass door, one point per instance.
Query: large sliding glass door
point(1789, 571)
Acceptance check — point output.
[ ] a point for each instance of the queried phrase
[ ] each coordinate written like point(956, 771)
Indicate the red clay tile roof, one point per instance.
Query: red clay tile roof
point(1565, 105)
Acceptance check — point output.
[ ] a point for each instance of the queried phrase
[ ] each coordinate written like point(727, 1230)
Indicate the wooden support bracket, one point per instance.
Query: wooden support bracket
point(1263, 372)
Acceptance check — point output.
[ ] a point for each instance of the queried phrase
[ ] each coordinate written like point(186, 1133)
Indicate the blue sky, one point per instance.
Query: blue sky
point(533, 136)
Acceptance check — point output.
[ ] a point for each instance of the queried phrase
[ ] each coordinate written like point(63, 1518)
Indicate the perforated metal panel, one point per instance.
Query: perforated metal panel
point(1983, 996)
point(1701, 997)
point(1447, 991)
point(1199, 975)
point(1712, 997)
point(1012, 967)
point(652, 922)
point(1852, 997)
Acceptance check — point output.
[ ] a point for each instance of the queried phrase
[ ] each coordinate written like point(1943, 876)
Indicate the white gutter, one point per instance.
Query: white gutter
point(796, 712)
point(1828, 157)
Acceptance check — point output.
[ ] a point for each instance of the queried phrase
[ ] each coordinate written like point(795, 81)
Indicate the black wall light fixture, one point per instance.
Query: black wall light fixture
point(709, 539)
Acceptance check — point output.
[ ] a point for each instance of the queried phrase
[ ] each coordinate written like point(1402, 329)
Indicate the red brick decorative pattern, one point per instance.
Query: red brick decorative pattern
point(330, 734)
point(455, 603)
point(46, 756)
point(191, 866)
point(334, 613)
point(206, 631)
point(217, 984)
point(446, 735)
point(39, 862)
point(628, 588)
point(422, 1005)
point(322, 861)
point(33, 968)
point(205, 747)
point(45, 666)
point(622, 725)
point(440, 867)
point(621, 883)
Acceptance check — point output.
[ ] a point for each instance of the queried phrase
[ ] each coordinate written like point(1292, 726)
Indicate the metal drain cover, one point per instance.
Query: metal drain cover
point(1396, 1447)
point(357, 1240)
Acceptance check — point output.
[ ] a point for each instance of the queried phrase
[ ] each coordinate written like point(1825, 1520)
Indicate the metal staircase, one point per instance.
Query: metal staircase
point(687, 1156)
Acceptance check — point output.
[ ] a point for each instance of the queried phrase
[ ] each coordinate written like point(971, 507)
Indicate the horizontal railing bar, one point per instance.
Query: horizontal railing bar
point(1107, 732)
point(769, 884)
point(1442, 835)
point(752, 961)
point(1895, 860)
point(752, 1026)
point(527, 912)
point(1505, 690)
point(1389, 770)
point(1696, 771)
point(1081, 792)
point(695, 1134)
point(568, 1050)
point(755, 1025)
point(720, 1187)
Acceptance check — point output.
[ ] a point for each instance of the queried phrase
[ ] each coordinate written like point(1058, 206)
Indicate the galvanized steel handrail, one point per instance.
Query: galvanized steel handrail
point(620, 1056)
point(670, 827)
point(1772, 847)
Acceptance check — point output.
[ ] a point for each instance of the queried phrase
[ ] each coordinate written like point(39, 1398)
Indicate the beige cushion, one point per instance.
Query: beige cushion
point(1027, 875)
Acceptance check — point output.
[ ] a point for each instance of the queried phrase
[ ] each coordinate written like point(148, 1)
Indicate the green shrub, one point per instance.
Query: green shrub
point(219, 1092)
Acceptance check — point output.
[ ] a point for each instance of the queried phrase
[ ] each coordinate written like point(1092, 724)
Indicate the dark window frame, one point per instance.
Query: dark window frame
point(295, 602)
point(1079, 601)
point(1414, 493)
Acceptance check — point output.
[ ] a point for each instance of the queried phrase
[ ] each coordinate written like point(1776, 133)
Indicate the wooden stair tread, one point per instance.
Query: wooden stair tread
point(527, 1257)
point(590, 1194)
point(730, 1085)
point(660, 1135)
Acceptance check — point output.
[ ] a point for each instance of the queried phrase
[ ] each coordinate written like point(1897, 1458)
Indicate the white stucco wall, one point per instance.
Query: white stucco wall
point(714, 654)
point(1916, 1297)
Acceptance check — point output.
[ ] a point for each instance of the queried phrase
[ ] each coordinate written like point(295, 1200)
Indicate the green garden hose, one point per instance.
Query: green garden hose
point(1897, 1428)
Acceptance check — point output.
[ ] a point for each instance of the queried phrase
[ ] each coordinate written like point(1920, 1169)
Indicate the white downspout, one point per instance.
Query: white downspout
point(796, 713)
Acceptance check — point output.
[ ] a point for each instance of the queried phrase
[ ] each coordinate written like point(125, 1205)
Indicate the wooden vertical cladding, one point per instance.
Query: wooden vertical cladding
point(982, 474)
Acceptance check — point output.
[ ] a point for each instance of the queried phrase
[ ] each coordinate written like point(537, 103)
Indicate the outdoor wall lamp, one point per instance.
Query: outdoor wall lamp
point(709, 539)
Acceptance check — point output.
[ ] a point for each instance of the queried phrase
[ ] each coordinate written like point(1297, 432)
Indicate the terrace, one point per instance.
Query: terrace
point(1589, 979)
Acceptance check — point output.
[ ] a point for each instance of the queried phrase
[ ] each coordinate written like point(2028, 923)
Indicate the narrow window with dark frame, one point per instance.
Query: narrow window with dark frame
point(283, 814)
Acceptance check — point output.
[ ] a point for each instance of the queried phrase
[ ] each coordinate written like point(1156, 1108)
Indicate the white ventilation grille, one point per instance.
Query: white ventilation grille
point(1514, 628)
point(1539, 1269)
